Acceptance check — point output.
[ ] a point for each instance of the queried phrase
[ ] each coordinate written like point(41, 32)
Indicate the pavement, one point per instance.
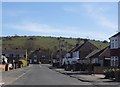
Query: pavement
point(91, 78)
point(84, 77)
point(10, 76)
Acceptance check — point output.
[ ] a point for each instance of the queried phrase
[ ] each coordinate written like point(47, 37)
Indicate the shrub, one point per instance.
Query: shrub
point(24, 62)
point(109, 73)
point(117, 74)
point(112, 73)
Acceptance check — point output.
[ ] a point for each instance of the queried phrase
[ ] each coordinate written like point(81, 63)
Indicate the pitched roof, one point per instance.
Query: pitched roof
point(106, 52)
point(96, 53)
point(116, 35)
point(92, 53)
point(76, 48)
point(73, 49)
point(15, 52)
point(79, 46)
point(87, 42)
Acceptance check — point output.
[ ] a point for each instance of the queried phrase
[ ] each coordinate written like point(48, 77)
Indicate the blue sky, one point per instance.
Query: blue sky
point(94, 20)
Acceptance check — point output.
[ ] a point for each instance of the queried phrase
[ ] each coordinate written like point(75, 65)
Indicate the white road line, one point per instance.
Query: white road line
point(20, 76)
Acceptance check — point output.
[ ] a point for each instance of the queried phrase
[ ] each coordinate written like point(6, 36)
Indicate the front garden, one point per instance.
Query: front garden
point(112, 73)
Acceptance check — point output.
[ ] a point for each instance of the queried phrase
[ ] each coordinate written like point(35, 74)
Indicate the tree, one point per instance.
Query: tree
point(29, 45)
point(78, 40)
point(105, 41)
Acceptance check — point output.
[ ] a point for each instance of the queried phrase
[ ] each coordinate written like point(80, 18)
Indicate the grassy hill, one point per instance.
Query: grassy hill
point(42, 42)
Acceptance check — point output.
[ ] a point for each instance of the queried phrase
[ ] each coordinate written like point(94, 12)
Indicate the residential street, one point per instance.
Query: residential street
point(39, 75)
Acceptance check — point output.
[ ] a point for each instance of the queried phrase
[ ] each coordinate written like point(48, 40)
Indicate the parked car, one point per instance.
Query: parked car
point(71, 64)
point(55, 62)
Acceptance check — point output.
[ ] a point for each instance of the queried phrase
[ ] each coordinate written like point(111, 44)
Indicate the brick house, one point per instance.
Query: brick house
point(83, 50)
point(77, 54)
point(14, 54)
point(39, 56)
point(99, 57)
point(58, 57)
point(115, 50)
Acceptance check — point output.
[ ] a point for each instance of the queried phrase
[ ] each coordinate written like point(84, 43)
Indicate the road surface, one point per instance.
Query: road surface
point(39, 75)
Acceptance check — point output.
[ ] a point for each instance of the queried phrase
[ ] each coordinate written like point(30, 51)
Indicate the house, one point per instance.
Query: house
point(45, 57)
point(115, 50)
point(78, 53)
point(58, 57)
point(39, 56)
point(98, 60)
point(83, 50)
point(55, 58)
point(13, 55)
point(99, 57)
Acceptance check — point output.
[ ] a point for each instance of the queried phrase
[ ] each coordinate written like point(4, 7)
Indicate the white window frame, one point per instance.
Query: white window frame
point(114, 61)
point(114, 43)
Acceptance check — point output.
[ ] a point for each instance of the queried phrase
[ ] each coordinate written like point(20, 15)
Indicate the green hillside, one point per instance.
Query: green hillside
point(42, 42)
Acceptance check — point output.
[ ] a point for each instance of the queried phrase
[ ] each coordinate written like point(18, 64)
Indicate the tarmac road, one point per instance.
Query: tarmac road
point(40, 75)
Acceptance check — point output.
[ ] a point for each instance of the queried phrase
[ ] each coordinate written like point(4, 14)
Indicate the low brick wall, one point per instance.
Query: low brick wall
point(99, 70)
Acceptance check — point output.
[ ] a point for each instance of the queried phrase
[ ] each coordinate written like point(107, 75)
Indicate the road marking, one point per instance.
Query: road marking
point(19, 76)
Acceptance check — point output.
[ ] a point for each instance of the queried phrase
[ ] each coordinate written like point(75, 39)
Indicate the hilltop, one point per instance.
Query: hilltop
point(45, 42)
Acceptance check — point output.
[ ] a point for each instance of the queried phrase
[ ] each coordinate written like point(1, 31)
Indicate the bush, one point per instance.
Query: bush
point(112, 73)
point(24, 62)
point(117, 74)
point(109, 73)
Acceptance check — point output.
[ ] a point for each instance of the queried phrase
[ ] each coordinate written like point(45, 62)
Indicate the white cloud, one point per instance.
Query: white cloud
point(97, 13)
point(67, 31)
point(101, 19)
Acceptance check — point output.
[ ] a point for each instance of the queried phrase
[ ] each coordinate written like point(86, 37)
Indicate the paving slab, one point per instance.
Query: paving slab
point(83, 76)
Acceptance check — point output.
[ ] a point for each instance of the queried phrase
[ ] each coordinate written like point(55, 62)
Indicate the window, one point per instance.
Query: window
point(114, 43)
point(76, 54)
point(114, 61)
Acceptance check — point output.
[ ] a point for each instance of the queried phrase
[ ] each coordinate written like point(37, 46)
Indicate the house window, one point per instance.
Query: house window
point(112, 44)
point(76, 54)
point(114, 61)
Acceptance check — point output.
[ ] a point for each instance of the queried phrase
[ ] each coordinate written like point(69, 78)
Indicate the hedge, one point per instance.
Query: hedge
point(24, 62)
